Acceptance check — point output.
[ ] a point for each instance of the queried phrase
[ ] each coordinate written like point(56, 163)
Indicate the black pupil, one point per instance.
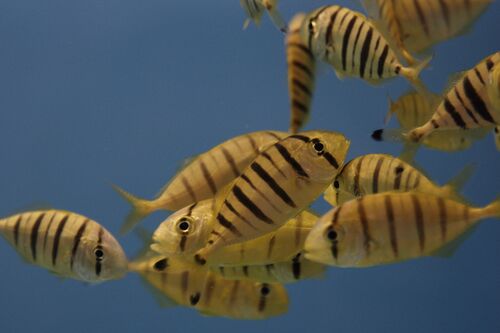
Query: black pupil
point(184, 225)
point(265, 290)
point(332, 235)
point(311, 25)
point(318, 147)
point(99, 253)
point(336, 184)
point(160, 265)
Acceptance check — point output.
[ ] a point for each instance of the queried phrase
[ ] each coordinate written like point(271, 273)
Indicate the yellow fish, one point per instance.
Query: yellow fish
point(282, 181)
point(203, 176)
point(354, 46)
point(255, 8)
point(465, 106)
point(187, 231)
point(391, 227)
point(375, 173)
point(414, 109)
point(193, 286)
point(301, 74)
point(291, 271)
point(417, 25)
point(67, 244)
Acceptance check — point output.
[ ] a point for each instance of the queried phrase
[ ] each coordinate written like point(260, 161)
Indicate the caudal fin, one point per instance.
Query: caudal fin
point(412, 74)
point(140, 209)
point(389, 134)
point(455, 185)
point(493, 209)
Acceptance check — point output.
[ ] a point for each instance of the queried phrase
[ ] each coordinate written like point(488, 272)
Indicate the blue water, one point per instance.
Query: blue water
point(97, 92)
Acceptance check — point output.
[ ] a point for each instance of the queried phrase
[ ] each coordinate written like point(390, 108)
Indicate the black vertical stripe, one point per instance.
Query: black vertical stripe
point(477, 101)
point(182, 243)
point(419, 220)
point(34, 235)
point(235, 212)
point(273, 185)
point(397, 179)
point(228, 225)
point(313, 19)
point(304, 49)
point(389, 210)
point(229, 158)
point(270, 159)
point(98, 261)
point(450, 109)
point(46, 234)
point(358, 33)
point(421, 17)
point(364, 225)
point(300, 106)
point(16, 229)
point(57, 237)
point(245, 270)
point(293, 162)
point(469, 112)
point(443, 217)
point(208, 177)
point(365, 52)
point(190, 209)
point(188, 187)
point(194, 299)
point(76, 242)
point(381, 61)
point(478, 74)
point(446, 12)
point(357, 174)
point(250, 205)
point(303, 67)
point(345, 41)
point(253, 144)
point(261, 193)
point(184, 282)
point(376, 174)
point(335, 219)
point(329, 29)
point(302, 87)
point(331, 159)
point(377, 43)
point(296, 267)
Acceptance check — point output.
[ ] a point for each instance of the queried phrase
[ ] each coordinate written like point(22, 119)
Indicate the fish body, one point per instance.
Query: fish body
point(417, 25)
point(255, 8)
point(354, 46)
point(414, 109)
point(187, 231)
point(204, 176)
point(276, 186)
point(290, 271)
point(465, 106)
point(376, 173)
point(301, 74)
point(390, 227)
point(190, 285)
point(67, 244)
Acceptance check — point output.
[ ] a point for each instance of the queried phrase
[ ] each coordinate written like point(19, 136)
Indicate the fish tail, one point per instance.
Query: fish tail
point(493, 209)
point(140, 209)
point(455, 185)
point(412, 74)
point(389, 134)
point(275, 16)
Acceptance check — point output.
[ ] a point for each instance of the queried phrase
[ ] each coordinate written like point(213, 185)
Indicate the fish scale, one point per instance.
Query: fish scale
point(391, 227)
point(257, 203)
point(66, 244)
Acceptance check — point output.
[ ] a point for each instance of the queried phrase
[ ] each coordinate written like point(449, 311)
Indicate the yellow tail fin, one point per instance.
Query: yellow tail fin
point(140, 209)
point(493, 209)
point(413, 75)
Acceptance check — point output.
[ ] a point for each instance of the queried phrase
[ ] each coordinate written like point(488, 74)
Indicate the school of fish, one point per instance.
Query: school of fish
point(241, 226)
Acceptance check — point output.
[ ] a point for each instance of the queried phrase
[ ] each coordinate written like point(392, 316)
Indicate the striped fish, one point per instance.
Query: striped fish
point(376, 173)
point(187, 231)
point(203, 176)
point(67, 244)
point(290, 271)
point(493, 87)
point(301, 74)
point(391, 227)
point(417, 25)
point(192, 286)
point(276, 186)
point(414, 109)
point(350, 42)
point(255, 8)
point(466, 105)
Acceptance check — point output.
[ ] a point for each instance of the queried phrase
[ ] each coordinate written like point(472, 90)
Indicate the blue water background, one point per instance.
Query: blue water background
point(97, 92)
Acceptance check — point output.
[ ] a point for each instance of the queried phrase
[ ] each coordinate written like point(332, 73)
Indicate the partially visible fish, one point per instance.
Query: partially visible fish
point(67, 244)
point(301, 74)
point(193, 286)
point(255, 8)
point(391, 227)
point(204, 176)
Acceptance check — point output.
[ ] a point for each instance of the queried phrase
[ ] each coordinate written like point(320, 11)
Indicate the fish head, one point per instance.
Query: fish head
point(185, 231)
point(321, 154)
point(100, 259)
point(338, 243)
point(310, 32)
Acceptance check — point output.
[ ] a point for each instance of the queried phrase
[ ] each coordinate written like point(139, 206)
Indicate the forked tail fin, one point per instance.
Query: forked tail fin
point(140, 209)
point(413, 75)
point(493, 209)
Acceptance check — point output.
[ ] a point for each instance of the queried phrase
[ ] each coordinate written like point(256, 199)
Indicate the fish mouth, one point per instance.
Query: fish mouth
point(315, 255)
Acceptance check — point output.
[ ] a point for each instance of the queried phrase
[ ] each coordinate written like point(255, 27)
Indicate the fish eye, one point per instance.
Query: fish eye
point(331, 234)
point(264, 290)
point(312, 26)
point(99, 253)
point(336, 184)
point(184, 225)
point(318, 146)
point(161, 264)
